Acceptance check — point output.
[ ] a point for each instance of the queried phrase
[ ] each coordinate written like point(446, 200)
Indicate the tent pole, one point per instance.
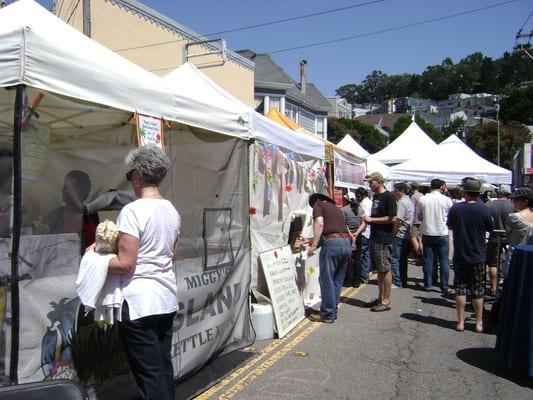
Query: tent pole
point(15, 234)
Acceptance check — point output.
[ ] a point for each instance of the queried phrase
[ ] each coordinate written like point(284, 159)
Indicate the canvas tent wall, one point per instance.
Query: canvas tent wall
point(412, 142)
point(452, 161)
point(65, 103)
point(284, 168)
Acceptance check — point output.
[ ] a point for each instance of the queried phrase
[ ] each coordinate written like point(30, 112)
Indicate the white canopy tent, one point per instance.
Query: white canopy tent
point(412, 142)
point(349, 144)
point(77, 98)
point(202, 94)
point(43, 52)
point(372, 164)
point(451, 161)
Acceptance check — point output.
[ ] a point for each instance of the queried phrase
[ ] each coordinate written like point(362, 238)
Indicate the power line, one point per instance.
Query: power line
point(279, 21)
point(260, 25)
point(527, 20)
point(427, 21)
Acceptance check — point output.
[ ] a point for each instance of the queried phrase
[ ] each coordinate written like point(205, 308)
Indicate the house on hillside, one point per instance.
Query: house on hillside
point(301, 101)
point(340, 107)
point(158, 43)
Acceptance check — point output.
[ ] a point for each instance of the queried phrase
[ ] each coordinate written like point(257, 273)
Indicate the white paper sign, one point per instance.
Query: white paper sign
point(280, 274)
point(149, 131)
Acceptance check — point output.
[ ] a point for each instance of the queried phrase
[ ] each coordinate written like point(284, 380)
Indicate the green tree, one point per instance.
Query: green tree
point(455, 127)
point(366, 135)
point(518, 106)
point(484, 140)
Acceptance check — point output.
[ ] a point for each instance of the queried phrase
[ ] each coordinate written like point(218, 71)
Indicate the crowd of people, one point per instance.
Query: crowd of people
point(464, 227)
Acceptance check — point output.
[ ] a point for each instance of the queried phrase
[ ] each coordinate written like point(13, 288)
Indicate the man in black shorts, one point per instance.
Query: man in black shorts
point(381, 223)
point(469, 221)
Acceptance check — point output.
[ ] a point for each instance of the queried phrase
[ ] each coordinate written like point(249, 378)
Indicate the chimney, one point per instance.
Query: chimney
point(303, 76)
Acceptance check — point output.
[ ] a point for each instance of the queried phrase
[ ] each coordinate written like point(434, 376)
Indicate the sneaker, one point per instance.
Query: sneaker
point(320, 318)
point(393, 286)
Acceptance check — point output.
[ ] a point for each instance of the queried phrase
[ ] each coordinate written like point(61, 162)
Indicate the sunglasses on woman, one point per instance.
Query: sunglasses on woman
point(129, 174)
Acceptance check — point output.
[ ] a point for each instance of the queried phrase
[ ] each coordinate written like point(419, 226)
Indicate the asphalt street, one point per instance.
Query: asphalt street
point(410, 352)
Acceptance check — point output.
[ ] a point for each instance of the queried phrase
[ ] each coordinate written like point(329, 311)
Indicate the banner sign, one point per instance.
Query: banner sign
point(35, 143)
point(149, 131)
point(528, 158)
point(349, 173)
point(280, 273)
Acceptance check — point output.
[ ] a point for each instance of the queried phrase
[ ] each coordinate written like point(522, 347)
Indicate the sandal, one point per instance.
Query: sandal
point(372, 303)
point(381, 307)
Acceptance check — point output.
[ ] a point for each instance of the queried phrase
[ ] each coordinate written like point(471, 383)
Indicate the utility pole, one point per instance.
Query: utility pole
point(87, 18)
point(497, 108)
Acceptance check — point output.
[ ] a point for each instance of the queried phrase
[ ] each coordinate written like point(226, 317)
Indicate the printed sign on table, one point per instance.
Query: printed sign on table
point(280, 273)
point(149, 131)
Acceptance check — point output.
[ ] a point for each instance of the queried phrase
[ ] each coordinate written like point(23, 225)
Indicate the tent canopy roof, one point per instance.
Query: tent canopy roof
point(411, 142)
point(200, 91)
point(452, 161)
point(39, 50)
point(348, 143)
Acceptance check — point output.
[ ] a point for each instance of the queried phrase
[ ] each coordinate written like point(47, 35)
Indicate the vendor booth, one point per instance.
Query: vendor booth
point(451, 161)
point(285, 167)
point(349, 144)
point(68, 112)
point(410, 144)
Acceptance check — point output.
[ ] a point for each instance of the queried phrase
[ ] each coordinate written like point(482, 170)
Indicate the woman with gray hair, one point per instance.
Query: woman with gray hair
point(147, 246)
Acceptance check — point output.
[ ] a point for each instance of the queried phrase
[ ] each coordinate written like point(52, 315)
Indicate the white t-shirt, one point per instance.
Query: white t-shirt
point(365, 208)
point(433, 209)
point(152, 289)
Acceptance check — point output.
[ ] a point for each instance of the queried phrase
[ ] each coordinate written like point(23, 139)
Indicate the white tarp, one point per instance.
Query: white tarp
point(372, 165)
point(349, 144)
point(203, 93)
point(452, 161)
point(412, 142)
point(40, 50)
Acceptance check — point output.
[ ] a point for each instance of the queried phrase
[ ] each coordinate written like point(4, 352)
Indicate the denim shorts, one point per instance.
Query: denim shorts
point(381, 256)
point(471, 276)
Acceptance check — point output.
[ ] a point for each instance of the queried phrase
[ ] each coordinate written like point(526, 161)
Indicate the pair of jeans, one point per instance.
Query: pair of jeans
point(400, 252)
point(436, 248)
point(365, 257)
point(334, 257)
point(147, 342)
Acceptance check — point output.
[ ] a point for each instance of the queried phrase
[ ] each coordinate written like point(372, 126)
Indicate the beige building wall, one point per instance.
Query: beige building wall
point(158, 45)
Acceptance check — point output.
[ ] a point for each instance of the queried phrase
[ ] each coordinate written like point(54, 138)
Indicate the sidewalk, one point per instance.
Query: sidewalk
point(410, 352)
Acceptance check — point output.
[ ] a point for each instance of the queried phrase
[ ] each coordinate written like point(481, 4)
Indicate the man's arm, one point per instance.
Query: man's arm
point(318, 227)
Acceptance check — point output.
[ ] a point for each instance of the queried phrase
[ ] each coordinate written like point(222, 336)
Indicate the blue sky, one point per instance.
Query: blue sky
point(410, 50)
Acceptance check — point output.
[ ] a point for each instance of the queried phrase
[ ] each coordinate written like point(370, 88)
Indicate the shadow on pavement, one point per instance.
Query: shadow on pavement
point(353, 302)
point(427, 319)
point(436, 301)
point(211, 373)
point(489, 360)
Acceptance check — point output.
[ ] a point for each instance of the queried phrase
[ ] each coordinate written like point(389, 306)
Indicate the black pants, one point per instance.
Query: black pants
point(147, 342)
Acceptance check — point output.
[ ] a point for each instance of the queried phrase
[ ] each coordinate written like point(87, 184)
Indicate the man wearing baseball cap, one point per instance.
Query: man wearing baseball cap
point(469, 221)
point(381, 223)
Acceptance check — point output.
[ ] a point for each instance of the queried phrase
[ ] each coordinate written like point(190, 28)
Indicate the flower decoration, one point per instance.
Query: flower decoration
point(288, 187)
point(252, 210)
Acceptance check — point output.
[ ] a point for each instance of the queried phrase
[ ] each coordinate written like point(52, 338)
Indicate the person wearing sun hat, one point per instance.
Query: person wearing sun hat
point(381, 223)
point(499, 208)
point(469, 221)
point(329, 231)
point(520, 223)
